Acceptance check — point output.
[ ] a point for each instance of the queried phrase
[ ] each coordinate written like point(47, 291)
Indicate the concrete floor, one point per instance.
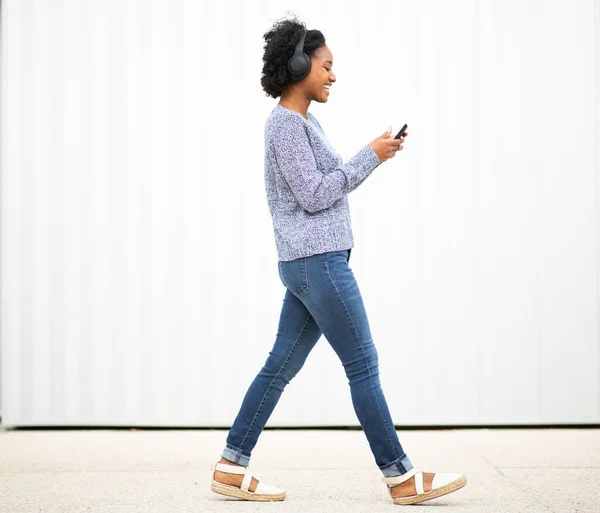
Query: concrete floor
point(128, 471)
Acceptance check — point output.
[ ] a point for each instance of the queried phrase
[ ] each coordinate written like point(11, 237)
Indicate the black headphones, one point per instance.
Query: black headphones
point(299, 65)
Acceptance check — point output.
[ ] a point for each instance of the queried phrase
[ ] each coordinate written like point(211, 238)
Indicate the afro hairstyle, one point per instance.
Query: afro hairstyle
point(280, 43)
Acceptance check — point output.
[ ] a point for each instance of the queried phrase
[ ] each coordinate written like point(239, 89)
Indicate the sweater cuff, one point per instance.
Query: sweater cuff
point(361, 166)
point(374, 158)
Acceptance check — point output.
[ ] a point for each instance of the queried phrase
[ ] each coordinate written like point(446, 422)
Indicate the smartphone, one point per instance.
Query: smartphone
point(401, 132)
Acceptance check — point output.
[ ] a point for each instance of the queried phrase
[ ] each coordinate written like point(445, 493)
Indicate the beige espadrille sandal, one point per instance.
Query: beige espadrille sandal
point(263, 492)
point(442, 484)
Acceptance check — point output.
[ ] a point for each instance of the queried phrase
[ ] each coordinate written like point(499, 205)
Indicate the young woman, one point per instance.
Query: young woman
point(307, 185)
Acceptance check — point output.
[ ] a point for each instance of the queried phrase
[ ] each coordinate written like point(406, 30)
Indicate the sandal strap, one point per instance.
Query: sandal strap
point(396, 480)
point(419, 483)
point(229, 469)
point(246, 482)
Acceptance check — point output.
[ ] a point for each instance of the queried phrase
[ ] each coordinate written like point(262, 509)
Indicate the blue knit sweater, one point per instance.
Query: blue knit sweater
point(307, 184)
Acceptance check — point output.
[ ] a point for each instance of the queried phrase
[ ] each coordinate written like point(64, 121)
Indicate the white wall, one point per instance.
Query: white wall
point(139, 278)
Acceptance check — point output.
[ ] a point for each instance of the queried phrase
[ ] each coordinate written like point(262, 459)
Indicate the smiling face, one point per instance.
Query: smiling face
point(316, 84)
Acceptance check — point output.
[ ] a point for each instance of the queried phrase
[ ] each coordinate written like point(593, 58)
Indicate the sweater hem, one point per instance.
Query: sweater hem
point(308, 251)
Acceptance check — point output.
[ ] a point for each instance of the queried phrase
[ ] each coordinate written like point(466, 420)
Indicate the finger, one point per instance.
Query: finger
point(387, 133)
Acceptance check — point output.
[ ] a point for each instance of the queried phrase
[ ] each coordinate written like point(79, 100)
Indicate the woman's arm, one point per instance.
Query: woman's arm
point(313, 189)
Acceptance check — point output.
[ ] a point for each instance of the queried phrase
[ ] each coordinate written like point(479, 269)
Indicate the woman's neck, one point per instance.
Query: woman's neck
point(295, 102)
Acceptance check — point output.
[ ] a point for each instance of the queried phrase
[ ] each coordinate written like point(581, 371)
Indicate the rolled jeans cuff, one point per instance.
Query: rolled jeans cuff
point(235, 455)
point(396, 468)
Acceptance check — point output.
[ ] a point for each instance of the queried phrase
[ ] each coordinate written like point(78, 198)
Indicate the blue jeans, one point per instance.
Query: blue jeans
point(322, 297)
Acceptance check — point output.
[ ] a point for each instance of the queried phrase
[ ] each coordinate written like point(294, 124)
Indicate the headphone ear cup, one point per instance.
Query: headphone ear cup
point(299, 66)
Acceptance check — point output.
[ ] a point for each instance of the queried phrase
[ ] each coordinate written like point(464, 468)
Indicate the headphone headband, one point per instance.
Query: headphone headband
point(300, 45)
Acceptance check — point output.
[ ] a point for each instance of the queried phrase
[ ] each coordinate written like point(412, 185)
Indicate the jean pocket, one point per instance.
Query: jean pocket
point(294, 275)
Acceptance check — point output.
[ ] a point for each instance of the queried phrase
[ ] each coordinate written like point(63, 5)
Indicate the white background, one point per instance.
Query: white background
point(139, 273)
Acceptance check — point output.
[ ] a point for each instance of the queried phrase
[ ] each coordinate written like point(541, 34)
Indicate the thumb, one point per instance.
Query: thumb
point(387, 132)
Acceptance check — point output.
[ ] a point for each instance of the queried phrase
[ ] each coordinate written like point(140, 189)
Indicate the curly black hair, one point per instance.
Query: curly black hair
point(279, 48)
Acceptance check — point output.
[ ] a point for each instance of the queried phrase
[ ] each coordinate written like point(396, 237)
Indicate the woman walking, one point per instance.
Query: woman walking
point(307, 185)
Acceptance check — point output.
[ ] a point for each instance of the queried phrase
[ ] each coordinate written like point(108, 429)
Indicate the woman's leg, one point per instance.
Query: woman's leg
point(297, 335)
point(323, 295)
point(326, 286)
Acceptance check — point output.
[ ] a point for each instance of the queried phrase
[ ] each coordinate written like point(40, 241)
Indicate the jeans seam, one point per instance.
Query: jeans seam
point(362, 349)
point(259, 409)
point(304, 273)
point(304, 285)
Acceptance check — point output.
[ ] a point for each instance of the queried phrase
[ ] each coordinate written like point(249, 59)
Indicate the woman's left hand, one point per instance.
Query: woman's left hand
point(401, 141)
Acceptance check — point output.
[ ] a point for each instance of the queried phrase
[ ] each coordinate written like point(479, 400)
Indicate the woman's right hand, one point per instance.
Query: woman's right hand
point(385, 146)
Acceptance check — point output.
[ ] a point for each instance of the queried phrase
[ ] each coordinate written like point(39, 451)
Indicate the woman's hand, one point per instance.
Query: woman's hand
point(385, 146)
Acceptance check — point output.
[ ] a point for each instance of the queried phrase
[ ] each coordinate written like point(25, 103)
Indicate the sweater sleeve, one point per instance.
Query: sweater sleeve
point(314, 189)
